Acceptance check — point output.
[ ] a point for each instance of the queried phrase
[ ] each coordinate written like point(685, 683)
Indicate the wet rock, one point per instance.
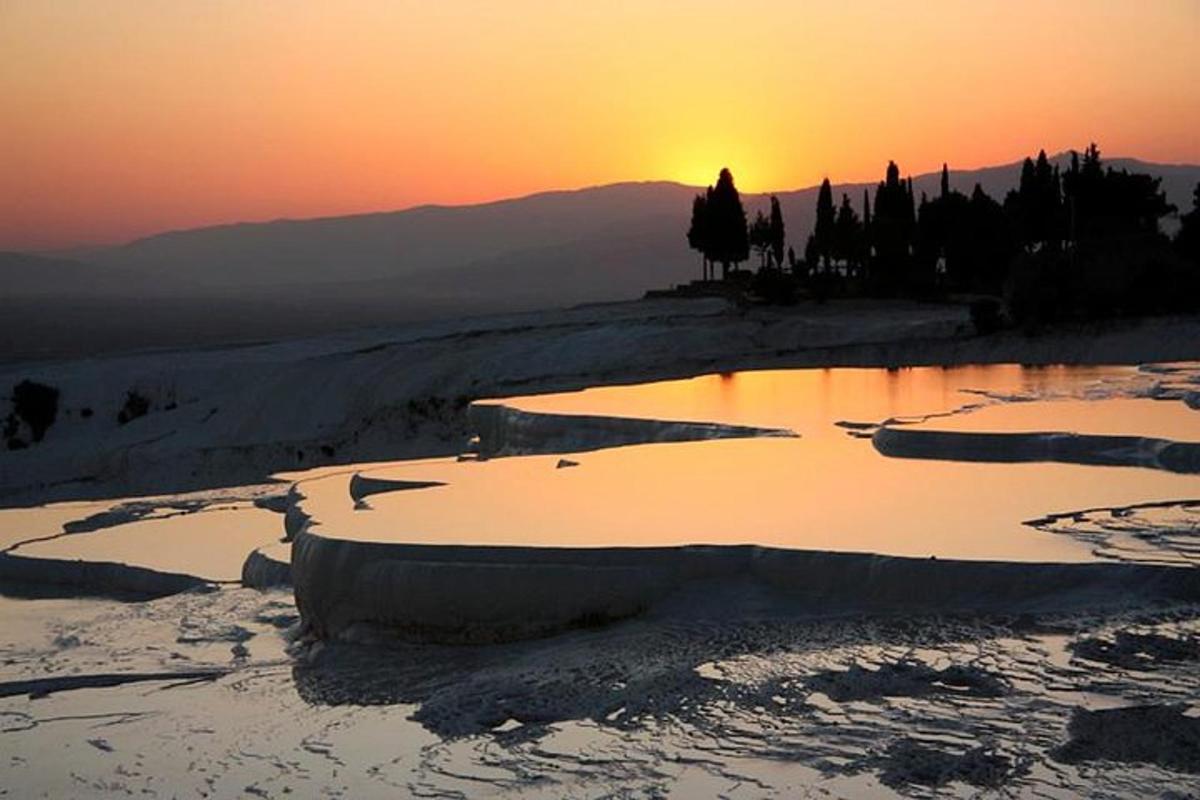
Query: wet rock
point(906, 679)
point(200, 633)
point(362, 487)
point(909, 762)
point(503, 430)
point(1148, 734)
point(66, 641)
point(1138, 650)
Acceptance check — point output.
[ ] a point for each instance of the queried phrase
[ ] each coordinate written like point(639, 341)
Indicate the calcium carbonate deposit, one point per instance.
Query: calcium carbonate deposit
point(974, 581)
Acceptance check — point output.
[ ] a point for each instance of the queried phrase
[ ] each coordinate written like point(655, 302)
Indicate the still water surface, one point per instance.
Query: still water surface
point(828, 489)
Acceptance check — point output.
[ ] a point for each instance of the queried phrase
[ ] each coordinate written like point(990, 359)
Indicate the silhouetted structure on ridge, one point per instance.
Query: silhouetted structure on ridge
point(1079, 243)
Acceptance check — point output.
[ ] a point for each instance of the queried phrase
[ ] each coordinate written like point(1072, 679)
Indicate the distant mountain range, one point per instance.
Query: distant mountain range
point(554, 248)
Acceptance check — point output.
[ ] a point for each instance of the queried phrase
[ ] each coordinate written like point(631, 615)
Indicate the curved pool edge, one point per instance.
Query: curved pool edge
point(469, 594)
point(505, 430)
point(99, 578)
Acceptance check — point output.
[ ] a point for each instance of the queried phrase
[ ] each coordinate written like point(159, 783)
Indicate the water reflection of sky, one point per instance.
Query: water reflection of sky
point(825, 490)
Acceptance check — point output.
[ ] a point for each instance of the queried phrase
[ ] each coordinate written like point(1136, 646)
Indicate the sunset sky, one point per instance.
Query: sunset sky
point(127, 117)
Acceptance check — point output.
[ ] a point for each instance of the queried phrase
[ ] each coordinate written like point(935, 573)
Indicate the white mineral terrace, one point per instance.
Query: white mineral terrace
point(823, 489)
point(445, 546)
point(995, 486)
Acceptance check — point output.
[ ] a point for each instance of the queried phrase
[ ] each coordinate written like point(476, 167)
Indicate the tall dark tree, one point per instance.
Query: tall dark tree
point(892, 228)
point(729, 243)
point(1119, 262)
point(942, 248)
point(866, 218)
point(848, 244)
point(1187, 240)
point(822, 237)
point(698, 232)
point(989, 244)
point(760, 238)
point(811, 257)
point(1035, 206)
point(910, 211)
point(777, 232)
point(1108, 204)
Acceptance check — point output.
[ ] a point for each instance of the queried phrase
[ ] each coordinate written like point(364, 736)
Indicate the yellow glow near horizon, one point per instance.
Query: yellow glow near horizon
point(125, 118)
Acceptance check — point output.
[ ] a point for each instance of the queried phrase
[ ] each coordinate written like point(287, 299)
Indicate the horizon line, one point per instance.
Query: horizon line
point(65, 250)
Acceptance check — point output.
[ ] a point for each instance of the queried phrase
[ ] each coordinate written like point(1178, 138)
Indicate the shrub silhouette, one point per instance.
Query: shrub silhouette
point(1187, 241)
point(37, 405)
point(985, 315)
point(136, 405)
point(760, 238)
point(774, 286)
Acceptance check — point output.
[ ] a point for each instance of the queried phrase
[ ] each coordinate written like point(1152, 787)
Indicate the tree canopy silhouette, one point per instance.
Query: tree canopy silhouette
point(1106, 204)
point(1079, 242)
point(892, 227)
point(729, 238)
point(849, 243)
point(718, 225)
point(1115, 259)
point(698, 230)
point(760, 238)
point(37, 405)
point(778, 238)
point(1187, 241)
point(1035, 206)
point(819, 252)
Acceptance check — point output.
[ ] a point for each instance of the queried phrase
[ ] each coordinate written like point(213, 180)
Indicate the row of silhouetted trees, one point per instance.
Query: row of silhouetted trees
point(1081, 242)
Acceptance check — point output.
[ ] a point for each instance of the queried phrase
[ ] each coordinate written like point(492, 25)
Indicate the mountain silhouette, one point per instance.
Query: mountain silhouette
point(602, 243)
point(299, 276)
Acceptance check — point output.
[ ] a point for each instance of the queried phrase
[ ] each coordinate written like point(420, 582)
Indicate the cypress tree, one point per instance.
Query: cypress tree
point(1187, 241)
point(847, 236)
point(698, 234)
point(826, 219)
point(892, 227)
point(990, 241)
point(867, 235)
point(1035, 206)
point(760, 238)
point(730, 239)
point(910, 212)
point(777, 232)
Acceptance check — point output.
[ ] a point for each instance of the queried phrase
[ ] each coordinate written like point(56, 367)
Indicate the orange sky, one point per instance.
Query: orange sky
point(126, 117)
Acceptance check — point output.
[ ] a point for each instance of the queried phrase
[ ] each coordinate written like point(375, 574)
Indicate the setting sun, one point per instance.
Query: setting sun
point(127, 118)
point(641, 399)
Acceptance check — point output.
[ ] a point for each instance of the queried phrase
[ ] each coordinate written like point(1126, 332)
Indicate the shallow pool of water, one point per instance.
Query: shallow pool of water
point(828, 489)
